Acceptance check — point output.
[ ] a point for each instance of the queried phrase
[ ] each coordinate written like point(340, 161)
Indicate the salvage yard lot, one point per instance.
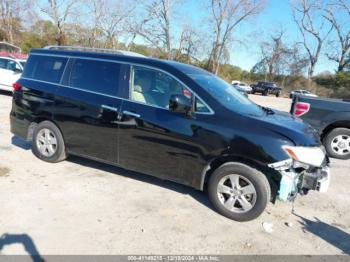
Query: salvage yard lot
point(83, 207)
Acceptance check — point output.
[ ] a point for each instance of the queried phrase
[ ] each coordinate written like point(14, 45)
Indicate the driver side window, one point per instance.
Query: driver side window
point(154, 87)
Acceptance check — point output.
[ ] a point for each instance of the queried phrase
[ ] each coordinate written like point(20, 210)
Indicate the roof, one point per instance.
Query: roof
point(4, 46)
point(186, 68)
point(118, 55)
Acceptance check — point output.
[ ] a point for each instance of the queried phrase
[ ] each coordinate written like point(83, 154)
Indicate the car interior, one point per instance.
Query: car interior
point(155, 88)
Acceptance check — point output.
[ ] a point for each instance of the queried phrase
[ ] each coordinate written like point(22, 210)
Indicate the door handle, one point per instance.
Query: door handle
point(125, 112)
point(110, 108)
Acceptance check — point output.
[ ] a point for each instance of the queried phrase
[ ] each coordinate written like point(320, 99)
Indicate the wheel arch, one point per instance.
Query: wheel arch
point(336, 124)
point(34, 123)
point(272, 175)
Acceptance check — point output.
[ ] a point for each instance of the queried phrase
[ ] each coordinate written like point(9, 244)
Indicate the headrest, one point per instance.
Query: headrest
point(137, 88)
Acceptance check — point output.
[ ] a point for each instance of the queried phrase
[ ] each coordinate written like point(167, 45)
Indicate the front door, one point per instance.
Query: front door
point(152, 139)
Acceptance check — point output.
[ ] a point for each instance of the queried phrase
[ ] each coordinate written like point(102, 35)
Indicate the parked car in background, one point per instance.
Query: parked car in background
point(266, 88)
point(241, 86)
point(331, 118)
point(167, 119)
point(301, 92)
point(10, 71)
point(242, 92)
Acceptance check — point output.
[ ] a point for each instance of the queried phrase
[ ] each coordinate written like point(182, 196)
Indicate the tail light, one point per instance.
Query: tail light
point(16, 86)
point(301, 108)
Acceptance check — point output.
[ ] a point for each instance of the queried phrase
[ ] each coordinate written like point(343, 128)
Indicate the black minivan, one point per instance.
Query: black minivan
point(166, 119)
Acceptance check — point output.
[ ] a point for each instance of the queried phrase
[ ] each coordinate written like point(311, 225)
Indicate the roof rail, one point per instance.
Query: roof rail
point(93, 49)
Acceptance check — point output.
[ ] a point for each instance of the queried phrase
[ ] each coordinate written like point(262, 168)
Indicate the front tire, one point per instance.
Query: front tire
point(48, 143)
point(238, 191)
point(337, 143)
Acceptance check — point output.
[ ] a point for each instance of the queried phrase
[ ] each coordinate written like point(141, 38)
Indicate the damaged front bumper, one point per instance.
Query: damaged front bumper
point(300, 178)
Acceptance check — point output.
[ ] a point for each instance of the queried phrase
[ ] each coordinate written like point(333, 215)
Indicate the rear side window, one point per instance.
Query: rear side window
point(45, 68)
point(96, 76)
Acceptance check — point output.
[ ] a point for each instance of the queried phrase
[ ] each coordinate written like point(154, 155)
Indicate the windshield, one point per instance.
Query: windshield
point(270, 84)
point(226, 94)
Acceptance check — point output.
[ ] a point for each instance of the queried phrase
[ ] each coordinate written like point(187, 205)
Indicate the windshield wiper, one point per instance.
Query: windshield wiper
point(268, 110)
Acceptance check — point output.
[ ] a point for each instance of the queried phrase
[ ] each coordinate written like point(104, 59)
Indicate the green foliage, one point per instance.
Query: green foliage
point(31, 40)
point(44, 33)
point(2, 35)
point(141, 49)
point(338, 85)
point(230, 72)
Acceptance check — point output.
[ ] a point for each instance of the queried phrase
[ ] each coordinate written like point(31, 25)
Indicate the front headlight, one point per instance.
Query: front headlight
point(313, 156)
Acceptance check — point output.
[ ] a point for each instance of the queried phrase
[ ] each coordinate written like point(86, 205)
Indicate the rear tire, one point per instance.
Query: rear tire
point(48, 143)
point(337, 143)
point(265, 92)
point(238, 191)
point(278, 94)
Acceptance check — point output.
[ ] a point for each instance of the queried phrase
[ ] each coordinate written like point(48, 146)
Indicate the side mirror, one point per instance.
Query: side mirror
point(180, 104)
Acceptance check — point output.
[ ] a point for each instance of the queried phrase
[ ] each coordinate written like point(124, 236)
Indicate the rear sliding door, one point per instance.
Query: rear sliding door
point(87, 107)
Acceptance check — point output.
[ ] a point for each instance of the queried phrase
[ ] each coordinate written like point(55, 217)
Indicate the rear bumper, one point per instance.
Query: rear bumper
point(6, 87)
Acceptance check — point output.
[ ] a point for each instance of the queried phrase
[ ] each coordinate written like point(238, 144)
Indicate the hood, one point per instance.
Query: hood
point(301, 133)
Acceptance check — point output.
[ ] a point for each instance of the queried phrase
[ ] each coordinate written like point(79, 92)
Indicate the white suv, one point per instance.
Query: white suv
point(10, 71)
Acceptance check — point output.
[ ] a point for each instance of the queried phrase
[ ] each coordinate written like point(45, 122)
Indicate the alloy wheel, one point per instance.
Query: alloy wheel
point(341, 145)
point(236, 193)
point(46, 142)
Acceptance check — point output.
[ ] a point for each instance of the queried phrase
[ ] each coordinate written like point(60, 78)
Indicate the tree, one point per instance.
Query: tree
point(10, 21)
point(279, 59)
point(111, 19)
point(95, 12)
point(59, 12)
point(32, 40)
point(225, 16)
point(155, 24)
point(274, 55)
point(41, 33)
point(189, 43)
point(340, 48)
point(306, 13)
point(297, 62)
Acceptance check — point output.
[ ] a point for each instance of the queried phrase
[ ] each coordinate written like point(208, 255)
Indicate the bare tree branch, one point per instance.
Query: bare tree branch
point(59, 11)
point(227, 15)
point(341, 51)
point(303, 12)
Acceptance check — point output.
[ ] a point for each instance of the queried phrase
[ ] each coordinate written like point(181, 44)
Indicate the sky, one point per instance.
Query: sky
point(277, 14)
point(245, 53)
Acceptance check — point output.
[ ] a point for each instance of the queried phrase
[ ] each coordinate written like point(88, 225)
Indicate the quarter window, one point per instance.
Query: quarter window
point(201, 107)
point(97, 76)
point(45, 68)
